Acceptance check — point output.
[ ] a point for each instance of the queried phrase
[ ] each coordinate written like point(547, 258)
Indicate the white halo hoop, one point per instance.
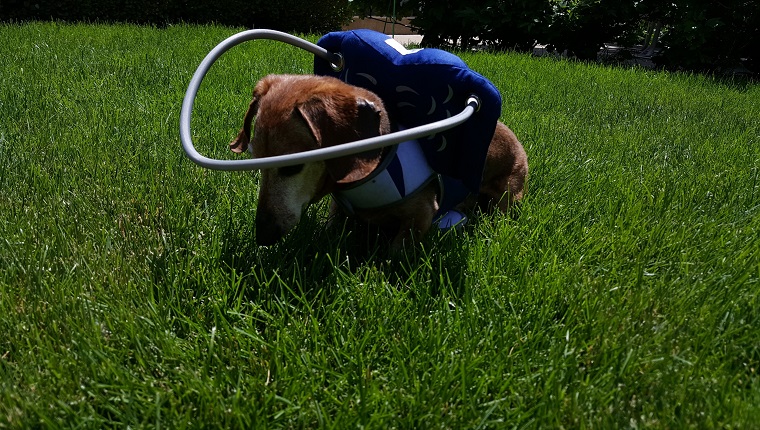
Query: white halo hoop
point(336, 60)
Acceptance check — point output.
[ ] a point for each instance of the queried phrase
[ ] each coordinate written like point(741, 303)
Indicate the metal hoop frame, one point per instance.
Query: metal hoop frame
point(336, 60)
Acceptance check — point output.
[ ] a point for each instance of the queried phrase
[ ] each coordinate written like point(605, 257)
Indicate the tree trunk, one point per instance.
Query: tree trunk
point(653, 38)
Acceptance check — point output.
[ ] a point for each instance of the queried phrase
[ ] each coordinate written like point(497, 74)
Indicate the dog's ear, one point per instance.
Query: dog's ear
point(242, 141)
point(358, 119)
point(369, 118)
point(314, 113)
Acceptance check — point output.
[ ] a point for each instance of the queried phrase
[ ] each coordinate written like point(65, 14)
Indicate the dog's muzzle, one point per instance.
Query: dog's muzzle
point(268, 232)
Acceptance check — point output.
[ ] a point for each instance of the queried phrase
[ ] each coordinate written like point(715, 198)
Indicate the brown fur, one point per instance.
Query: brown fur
point(295, 113)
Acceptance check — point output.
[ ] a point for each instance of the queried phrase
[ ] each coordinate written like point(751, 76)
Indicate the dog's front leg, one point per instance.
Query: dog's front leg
point(415, 218)
point(411, 232)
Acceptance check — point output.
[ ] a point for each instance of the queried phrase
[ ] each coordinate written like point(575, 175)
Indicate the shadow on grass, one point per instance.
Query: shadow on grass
point(228, 277)
point(315, 255)
point(312, 261)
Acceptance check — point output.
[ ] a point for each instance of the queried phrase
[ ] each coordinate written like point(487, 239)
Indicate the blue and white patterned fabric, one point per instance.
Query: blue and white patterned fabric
point(403, 173)
point(418, 87)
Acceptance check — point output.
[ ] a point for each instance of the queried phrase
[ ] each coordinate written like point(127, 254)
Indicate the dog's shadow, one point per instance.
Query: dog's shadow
point(306, 262)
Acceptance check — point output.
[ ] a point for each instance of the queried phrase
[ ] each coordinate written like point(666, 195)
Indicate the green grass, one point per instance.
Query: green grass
point(133, 295)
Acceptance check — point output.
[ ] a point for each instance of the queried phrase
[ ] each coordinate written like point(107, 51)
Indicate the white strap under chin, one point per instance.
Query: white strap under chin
point(406, 172)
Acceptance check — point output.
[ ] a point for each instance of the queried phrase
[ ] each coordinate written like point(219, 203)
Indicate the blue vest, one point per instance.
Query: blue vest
point(418, 87)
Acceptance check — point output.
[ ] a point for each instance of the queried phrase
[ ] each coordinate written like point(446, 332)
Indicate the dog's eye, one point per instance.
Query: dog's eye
point(290, 170)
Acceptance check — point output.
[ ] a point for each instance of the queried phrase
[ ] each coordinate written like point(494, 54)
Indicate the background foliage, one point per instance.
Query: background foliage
point(286, 15)
point(696, 34)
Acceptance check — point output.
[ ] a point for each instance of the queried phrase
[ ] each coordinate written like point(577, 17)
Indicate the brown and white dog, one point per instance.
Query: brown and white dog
point(296, 113)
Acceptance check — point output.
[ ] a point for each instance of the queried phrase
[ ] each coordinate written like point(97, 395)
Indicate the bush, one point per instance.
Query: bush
point(301, 17)
point(504, 24)
point(712, 36)
point(286, 15)
point(516, 24)
point(582, 27)
point(696, 34)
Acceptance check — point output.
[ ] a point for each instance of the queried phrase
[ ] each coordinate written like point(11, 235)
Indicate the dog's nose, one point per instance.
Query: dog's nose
point(267, 230)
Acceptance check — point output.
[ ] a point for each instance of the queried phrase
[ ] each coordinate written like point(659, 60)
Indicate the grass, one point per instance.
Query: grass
point(132, 293)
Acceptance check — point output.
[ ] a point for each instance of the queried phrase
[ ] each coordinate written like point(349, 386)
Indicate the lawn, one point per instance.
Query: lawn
point(132, 294)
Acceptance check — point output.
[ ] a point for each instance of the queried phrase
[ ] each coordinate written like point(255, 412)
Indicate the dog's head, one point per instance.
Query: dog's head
point(296, 113)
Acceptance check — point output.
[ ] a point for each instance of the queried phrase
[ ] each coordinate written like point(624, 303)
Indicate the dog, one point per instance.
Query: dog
point(296, 113)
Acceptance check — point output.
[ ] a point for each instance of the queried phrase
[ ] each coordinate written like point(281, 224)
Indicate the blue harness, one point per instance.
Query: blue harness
point(417, 87)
